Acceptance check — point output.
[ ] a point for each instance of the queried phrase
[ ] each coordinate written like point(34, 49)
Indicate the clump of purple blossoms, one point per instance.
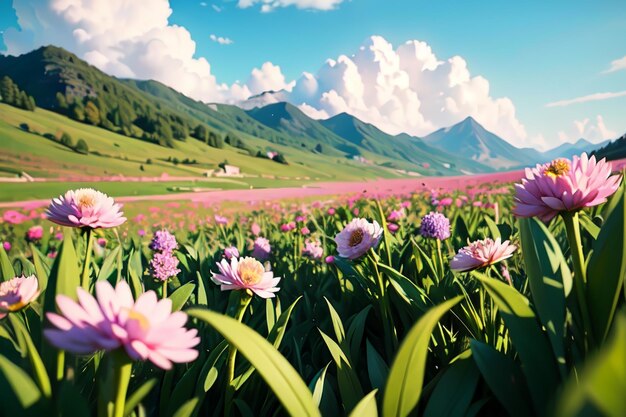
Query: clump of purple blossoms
point(163, 241)
point(261, 249)
point(435, 225)
point(164, 266)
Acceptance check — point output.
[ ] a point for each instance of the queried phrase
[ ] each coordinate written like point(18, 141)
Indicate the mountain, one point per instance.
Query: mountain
point(469, 138)
point(409, 148)
point(567, 150)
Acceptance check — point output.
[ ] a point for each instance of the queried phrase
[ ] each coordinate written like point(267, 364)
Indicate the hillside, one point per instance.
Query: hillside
point(613, 150)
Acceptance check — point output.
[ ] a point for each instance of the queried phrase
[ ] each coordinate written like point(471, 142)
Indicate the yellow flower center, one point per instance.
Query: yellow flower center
point(355, 238)
point(557, 168)
point(142, 320)
point(86, 197)
point(250, 271)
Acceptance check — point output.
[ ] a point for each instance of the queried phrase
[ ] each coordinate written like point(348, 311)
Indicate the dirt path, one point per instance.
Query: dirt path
point(366, 188)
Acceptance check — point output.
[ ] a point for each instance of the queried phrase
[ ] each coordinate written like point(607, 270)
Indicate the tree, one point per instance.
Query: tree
point(7, 90)
point(82, 147)
point(66, 140)
point(77, 111)
point(62, 102)
point(92, 114)
point(200, 132)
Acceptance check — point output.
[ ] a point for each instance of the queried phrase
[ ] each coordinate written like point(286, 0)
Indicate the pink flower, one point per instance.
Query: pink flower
point(305, 231)
point(85, 207)
point(481, 253)
point(331, 211)
point(395, 215)
point(17, 293)
point(102, 242)
point(7, 246)
point(392, 227)
point(220, 219)
point(561, 185)
point(34, 234)
point(255, 229)
point(231, 252)
point(313, 249)
point(357, 238)
point(14, 217)
point(287, 227)
point(329, 259)
point(444, 202)
point(146, 329)
point(245, 274)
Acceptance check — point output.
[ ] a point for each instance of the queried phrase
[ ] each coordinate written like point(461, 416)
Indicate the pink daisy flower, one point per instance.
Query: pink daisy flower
point(17, 293)
point(357, 238)
point(564, 185)
point(146, 329)
point(481, 253)
point(85, 207)
point(245, 274)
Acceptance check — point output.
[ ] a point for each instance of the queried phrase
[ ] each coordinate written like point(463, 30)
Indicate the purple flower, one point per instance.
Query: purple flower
point(164, 266)
point(435, 225)
point(7, 246)
point(392, 227)
point(231, 252)
point(163, 241)
point(261, 249)
point(141, 232)
point(330, 259)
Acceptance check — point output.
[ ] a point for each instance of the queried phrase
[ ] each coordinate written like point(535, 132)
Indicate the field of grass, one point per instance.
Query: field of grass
point(43, 190)
point(120, 155)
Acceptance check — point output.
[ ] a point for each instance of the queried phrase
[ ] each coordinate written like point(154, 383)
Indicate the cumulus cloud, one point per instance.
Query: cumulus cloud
point(125, 38)
point(404, 89)
point(593, 130)
point(617, 65)
point(267, 78)
point(587, 98)
point(220, 40)
point(216, 8)
point(269, 5)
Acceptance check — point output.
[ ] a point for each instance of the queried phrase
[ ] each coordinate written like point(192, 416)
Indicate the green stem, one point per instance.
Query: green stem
point(580, 277)
point(164, 292)
point(122, 367)
point(232, 355)
point(88, 249)
point(441, 273)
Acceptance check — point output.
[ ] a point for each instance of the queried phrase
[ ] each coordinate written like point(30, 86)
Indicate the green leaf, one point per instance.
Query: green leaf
point(366, 407)
point(377, 368)
point(42, 269)
point(277, 372)
point(109, 265)
point(406, 377)
point(587, 223)
point(492, 226)
point(599, 388)
point(606, 269)
point(337, 324)
point(181, 295)
point(65, 275)
point(187, 409)
point(33, 355)
point(71, 403)
point(139, 394)
point(531, 343)
point(550, 281)
point(504, 377)
point(6, 268)
point(318, 388)
point(347, 379)
point(25, 390)
point(209, 371)
point(454, 391)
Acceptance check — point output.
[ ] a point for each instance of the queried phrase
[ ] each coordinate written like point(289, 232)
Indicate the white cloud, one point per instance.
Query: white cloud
point(594, 131)
point(268, 78)
point(403, 89)
point(216, 8)
point(203, 4)
point(125, 38)
point(617, 65)
point(221, 40)
point(269, 5)
point(585, 99)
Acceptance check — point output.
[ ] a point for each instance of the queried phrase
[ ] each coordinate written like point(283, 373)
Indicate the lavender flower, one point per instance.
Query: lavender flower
point(231, 252)
point(435, 225)
point(164, 266)
point(163, 241)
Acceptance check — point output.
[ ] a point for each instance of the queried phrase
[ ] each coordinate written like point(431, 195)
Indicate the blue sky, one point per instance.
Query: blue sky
point(532, 52)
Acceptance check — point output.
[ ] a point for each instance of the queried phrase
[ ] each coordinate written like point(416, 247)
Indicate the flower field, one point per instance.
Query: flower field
point(485, 300)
